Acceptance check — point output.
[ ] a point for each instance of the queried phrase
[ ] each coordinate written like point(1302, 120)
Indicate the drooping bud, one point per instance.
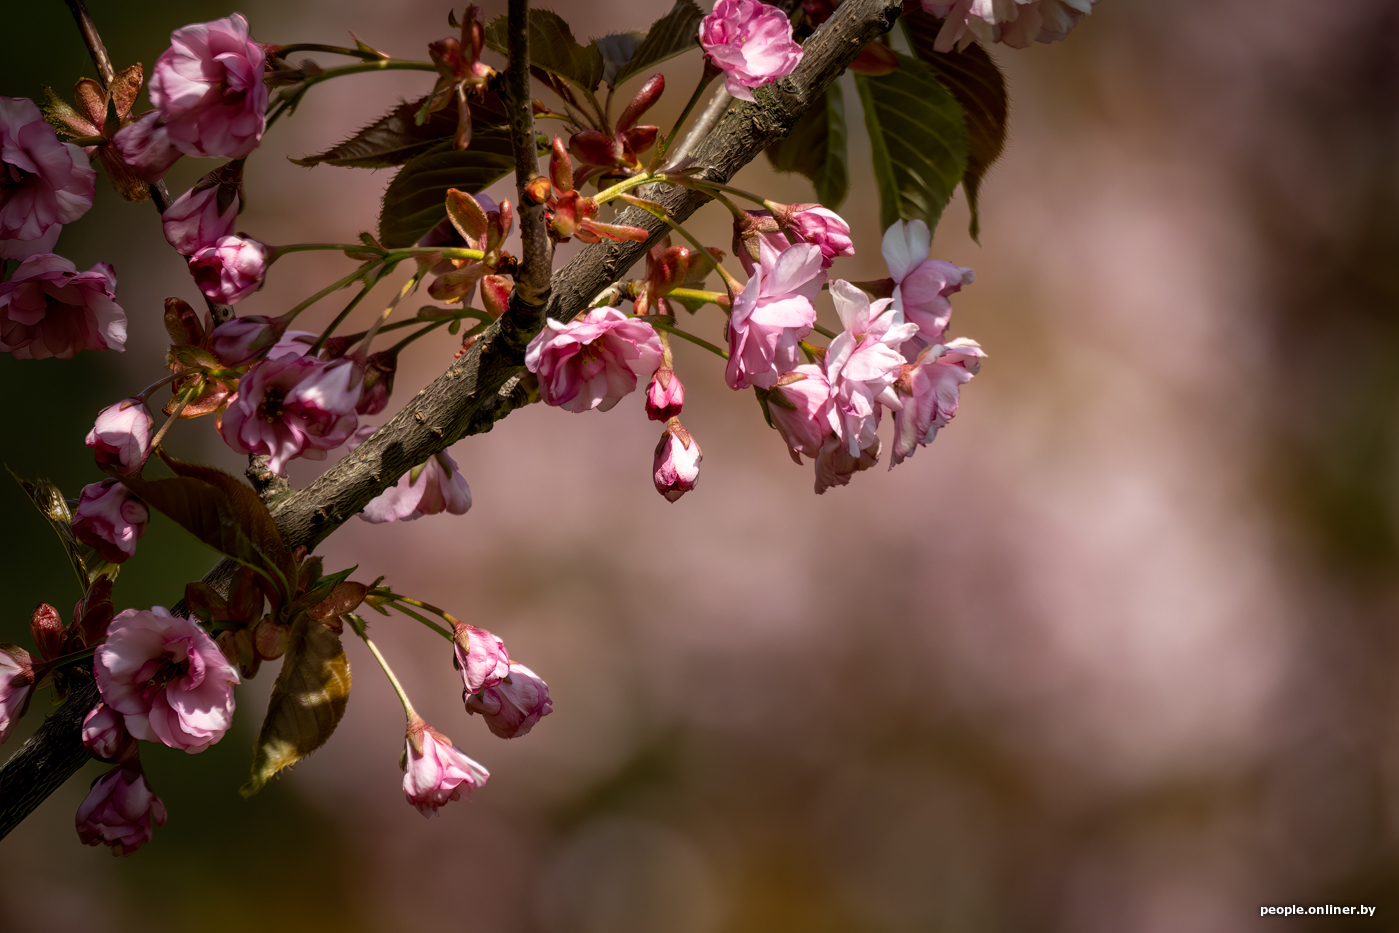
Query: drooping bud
point(120, 810)
point(379, 371)
point(121, 436)
point(512, 707)
point(104, 732)
point(480, 657)
point(677, 461)
point(47, 630)
point(665, 396)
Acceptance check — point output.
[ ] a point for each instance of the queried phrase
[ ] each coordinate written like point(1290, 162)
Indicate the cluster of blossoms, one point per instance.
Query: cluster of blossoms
point(280, 394)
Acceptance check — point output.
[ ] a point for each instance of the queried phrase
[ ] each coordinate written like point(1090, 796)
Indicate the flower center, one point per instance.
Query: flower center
point(169, 670)
point(271, 408)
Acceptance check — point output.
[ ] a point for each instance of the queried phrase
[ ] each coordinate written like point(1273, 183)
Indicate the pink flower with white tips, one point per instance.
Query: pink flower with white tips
point(772, 314)
point(513, 706)
point(1016, 23)
point(167, 678)
point(293, 406)
point(104, 733)
point(120, 810)
point(209, 90)
point(197, 220)
point(121, 436)
point(230, 270)
point(677, 462)
point(110, 519)
point(44, 183)
point(665, 396)
point(930, 389)
point(751, 42)
point(862, 363)
point(923, 285)
point(823, 227)
point(593, 361)
point(427, 489)
point(435, 772)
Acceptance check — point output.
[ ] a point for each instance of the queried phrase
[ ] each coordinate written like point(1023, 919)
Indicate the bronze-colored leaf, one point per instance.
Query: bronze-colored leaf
point(50, 502)
point(125, 88)
point(307, 701)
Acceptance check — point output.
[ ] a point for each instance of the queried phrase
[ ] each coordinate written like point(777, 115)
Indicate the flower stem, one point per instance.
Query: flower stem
point(340, 318)
point(829, 335)
point(359, 626)
point(165, 428)
point(693, 294)
point(607, 194)
point(329, 289)
point(408, 288)
point(706, 76)
point(446, 616)
point(282, 50)
point(662, 324)
point(706, 183)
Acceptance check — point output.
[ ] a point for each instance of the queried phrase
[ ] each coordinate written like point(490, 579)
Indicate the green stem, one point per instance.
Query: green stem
point(664, 147)
point(329, 289)
point(694, 294)
point(64, 660)
point(409, 601)
point(660, 323)
point(360, 629)
point(408, 287)
point(706, 183)
point(165, 428)
point(823, 332)
point(340, 319)
point(282, 50)
point(607, 194)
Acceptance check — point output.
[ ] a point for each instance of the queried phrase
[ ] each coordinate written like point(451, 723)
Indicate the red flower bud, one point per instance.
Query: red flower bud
point(47, 630)
point(648, 95)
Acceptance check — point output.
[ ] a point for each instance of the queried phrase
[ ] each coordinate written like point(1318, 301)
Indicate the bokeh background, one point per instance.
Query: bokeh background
point(1115, 654)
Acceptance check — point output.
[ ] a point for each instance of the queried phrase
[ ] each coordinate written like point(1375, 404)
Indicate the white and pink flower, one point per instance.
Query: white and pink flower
point(862, 363)
point(230, 270)
point(120, 810)
point(293, 406)
point(592, 362)
point(146, 148)
point(929, 389)
point(197, 221)
point(167, 678)
point(798, 406)
point(824, 228)
point(665, 396)
point(427, 489)
point(121, 436)
point(435, 772)
point(209, 90)
point(49, 308)
point(677, 462)
point(772, 314)
point(110, 520)
point(1015, 23)
point(44, 183)
point(480, 656)
point(923, 286)
point(16, 686)
point(241, 340)
point(513, 706)
point(751, 42)
point(104, 733)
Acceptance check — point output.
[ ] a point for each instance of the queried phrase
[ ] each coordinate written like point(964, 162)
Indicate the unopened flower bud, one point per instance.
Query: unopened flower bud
point(379, 371)
point(480, 657)
point(110, 520)
point(677, 461)
point(104, 733)
point(16, 685)
point(121, 436)
point(538, 190)
point(665, 396)
point(513, 706)
point(435, 772)
point(230, 270)
point(46, 628)
point(560, 168)
point(182, 323)
point(643, 101)
point(119, 810)
point(495, 294)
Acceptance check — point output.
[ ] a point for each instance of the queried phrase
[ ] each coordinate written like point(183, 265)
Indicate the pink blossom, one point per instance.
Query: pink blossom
point(929, 389)
point(110, 519)
point(435, 772)
point(241, 340)
point(676, 466)
point(49, 308)
point(16, 686)
point(593, 361)
point(665, 396)
point(835, 464)
point(751, 42)
point(427, 489)
point(121, 436)
point(1016, 23)
point(197, 220)
point(104, 733)
point(798, 405)
point(772, 314)
point(119, 810)
point(209, 90)
point(293, 343)
point(923, 285)
point(146, 148)
point(826, 229)
point(44, 183)
point(167, 678)
point(513, 706)
point(293, 406)
point(753, 233)
point(480, 657)
point(230, 270)
point(862, 363)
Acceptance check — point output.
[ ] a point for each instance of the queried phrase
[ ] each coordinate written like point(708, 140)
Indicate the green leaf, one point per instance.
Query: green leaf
point(307, 703)
point(224, 513)
point(816, 148)
point(553, 48)
point(617, 49)
point(973, 78)
point(668, 36)
point(416, 200)
point(918, 141)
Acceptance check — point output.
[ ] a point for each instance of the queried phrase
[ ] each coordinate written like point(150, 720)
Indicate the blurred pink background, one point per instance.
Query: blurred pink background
point(1113, 654)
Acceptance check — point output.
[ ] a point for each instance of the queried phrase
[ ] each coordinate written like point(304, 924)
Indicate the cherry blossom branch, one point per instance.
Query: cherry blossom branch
point(484, 384)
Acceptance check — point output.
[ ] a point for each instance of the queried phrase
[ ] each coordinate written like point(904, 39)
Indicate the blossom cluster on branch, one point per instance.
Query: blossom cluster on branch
point(279, 394)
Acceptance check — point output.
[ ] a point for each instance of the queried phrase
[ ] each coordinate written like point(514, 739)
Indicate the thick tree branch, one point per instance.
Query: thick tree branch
point(531, 293)
point(486, 383)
